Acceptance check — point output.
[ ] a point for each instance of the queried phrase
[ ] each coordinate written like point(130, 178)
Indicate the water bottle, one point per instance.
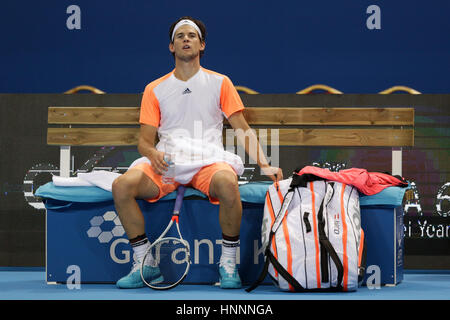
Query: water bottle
point(169, 175)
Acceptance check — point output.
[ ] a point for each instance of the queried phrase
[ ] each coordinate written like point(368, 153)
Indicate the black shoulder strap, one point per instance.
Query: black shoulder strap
point(327, 247)
point(302, 180)
point(262, 275)
point(283, 272)
point(270, 258)
point(325, 243)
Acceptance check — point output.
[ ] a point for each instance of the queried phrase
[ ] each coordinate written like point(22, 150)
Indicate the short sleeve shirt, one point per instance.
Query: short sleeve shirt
point(189, 116)
point(169, 103)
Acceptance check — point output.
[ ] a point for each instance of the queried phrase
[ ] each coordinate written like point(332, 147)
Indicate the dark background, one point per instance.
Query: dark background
point(26, 157)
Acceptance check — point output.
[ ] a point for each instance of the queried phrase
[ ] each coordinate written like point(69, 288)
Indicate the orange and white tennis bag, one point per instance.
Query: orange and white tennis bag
point(312, 235)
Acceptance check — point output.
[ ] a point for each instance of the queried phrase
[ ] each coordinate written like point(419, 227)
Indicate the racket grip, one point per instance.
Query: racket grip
point(179, 199)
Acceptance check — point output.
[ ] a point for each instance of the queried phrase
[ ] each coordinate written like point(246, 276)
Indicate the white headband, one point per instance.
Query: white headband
point(188, 22)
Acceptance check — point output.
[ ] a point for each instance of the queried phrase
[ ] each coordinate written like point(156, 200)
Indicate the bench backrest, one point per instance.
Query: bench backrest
point(355, 127)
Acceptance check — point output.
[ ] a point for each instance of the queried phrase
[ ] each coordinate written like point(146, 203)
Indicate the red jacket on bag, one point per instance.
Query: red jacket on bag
point(366, 182)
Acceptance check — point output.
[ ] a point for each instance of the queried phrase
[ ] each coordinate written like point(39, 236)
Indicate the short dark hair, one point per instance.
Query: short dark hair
point(199, 24)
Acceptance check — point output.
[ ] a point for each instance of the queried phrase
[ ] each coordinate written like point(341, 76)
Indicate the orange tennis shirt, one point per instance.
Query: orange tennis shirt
point(189, 117)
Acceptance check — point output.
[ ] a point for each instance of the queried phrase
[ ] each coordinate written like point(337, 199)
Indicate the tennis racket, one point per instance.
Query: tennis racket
point(169, 254)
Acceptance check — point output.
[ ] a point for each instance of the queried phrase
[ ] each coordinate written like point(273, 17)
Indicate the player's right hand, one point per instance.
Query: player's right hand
point(157, 160)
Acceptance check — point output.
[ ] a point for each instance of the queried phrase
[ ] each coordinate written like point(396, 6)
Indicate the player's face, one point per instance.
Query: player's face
point(186, 43)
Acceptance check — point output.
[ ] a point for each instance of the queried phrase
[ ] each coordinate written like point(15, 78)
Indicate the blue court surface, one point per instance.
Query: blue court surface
point(29, 284)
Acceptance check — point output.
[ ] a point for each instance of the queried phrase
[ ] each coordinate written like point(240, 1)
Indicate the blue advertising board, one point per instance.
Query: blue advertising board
point(91, 237)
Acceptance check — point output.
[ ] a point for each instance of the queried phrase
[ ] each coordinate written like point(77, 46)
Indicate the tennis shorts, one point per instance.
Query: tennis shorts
point(201, 181)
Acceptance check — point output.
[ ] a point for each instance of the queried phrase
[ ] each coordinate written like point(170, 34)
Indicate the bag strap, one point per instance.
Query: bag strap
point(325, 244)
point(283, 210)
point(283, 272)
point(270, 258)
point(263, 273)
point(302, 180)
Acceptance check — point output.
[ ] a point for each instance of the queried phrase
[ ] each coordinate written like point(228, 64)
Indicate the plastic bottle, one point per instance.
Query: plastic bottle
point(169, 175)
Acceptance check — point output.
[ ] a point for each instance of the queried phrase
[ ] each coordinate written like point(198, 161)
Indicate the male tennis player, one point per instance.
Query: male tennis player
point(185, 108)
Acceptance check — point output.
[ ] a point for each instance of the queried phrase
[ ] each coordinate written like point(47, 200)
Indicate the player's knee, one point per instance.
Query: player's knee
point(226, 187)
point(122, 188)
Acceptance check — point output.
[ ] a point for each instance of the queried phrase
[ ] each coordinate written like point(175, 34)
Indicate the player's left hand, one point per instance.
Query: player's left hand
point(274, 173)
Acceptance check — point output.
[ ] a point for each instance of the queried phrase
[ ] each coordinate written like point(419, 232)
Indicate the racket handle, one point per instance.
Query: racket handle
point(179, 199)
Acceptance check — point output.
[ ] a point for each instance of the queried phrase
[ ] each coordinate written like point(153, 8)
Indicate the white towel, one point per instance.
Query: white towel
point(184, 172)
point(70, 182)
point(101, 179)
point(190, 155)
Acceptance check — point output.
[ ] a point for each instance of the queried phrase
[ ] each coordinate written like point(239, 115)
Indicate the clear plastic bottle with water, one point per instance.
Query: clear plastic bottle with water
point(169, 175)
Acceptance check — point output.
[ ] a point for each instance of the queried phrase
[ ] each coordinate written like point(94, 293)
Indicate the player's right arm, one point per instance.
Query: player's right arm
point(146, 147)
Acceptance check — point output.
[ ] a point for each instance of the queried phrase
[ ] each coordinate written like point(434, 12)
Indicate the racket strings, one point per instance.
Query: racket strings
point(171, 256)
point(150, 260)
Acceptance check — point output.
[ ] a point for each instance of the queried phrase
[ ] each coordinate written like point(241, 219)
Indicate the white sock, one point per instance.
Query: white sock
point(229, 250)
point(140, 248)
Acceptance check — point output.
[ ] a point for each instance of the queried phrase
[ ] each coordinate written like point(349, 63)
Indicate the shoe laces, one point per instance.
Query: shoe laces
point(229, 266)
point(136, 266)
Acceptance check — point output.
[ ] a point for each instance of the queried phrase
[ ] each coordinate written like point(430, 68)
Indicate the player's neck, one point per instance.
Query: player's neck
point(185, 70)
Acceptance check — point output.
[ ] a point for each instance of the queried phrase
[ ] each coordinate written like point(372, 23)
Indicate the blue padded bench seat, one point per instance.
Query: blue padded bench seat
point(253, 192)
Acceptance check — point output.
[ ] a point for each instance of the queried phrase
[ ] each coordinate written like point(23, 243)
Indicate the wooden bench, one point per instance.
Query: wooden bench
point(347, 127)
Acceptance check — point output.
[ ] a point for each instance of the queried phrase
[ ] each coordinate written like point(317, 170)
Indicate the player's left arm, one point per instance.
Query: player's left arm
point(243, 130)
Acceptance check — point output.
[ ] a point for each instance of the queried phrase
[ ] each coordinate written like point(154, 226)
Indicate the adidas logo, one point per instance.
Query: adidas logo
point(187, 91)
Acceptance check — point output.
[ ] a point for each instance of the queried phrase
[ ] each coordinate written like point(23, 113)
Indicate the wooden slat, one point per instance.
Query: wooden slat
point(93, 115)
point(330, 116)
point(254, 116)
point(336, 137)
point(92, 136)
point(287, 137)
point(347, 137)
